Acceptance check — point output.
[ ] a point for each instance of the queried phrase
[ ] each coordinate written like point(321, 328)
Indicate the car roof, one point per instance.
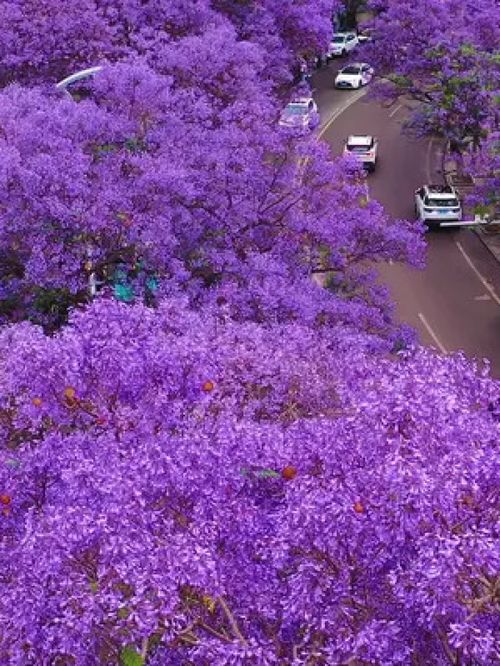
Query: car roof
point(441, 189)
point(353, 65)
point(359, 140)
point(302, 100)
point(343, 34)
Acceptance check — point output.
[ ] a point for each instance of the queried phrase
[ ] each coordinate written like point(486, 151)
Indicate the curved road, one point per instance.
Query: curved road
point(454, 303)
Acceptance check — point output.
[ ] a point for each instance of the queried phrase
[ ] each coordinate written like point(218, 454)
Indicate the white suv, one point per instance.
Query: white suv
point(342, 43)
point(364, 148)
point(435, 204)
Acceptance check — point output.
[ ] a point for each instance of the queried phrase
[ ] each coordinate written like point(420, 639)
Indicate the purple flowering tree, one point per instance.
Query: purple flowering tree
point(248, 472)
point(207, 191)
point(45, 40)
point(483, 166)
point(442, 54)
point(176, 488)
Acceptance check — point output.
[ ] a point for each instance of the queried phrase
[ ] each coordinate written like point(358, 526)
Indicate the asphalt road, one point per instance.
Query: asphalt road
point(454, 303)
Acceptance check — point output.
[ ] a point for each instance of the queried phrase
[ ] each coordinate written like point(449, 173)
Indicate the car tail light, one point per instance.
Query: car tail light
point(427, 209)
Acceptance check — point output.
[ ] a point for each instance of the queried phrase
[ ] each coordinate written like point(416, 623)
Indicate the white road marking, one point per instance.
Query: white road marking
point(394, 111)
point(431, 332)
point(484, 297)
point(353, 98)
point(484, 281)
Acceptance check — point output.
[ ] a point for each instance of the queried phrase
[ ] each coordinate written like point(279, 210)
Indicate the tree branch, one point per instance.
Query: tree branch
point(232, 621)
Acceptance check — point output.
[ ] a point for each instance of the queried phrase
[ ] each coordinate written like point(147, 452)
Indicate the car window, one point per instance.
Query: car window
point(338, 39)
point(366, 68)
point(357, 149)
point(350, 70)
point(448, 202)
point(295, 109)
point(350, 38)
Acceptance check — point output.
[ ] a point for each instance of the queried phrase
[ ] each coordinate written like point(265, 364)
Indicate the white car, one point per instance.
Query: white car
point(354, 76)
point(301, 113)
point(435, 204)
point(364, 148)
point(342, 43)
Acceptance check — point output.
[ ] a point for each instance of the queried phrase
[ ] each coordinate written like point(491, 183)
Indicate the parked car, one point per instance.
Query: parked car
point(364, 148)
point(300, 113)
point(342, 43)
point(354, 76)
point(435, 204)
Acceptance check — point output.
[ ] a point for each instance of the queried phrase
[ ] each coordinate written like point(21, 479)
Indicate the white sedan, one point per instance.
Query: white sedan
point(342, 43)
point(354, 76)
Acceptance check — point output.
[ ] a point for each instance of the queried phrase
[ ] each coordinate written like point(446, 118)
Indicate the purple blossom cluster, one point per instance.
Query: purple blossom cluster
point(197, 183)
point(239, 466)
point(192, 488)
point(445, 56)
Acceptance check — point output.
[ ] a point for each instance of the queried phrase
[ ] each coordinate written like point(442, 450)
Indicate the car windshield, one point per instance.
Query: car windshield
point(358, 149)
point(338, 39)
point(350, 70)
point(442, 203)
point(295, 110)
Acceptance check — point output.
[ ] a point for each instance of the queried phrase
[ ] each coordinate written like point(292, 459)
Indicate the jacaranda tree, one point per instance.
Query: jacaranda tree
point(179, 489)
point(237, 467)
point(46, 39)
point(444, 54)
point(206, 192)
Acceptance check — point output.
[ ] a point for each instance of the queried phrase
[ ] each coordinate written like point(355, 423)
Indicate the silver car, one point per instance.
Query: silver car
point(302, 113)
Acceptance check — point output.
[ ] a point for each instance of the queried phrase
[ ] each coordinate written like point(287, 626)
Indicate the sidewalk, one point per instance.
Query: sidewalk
point(491, 238)
point(489, 235)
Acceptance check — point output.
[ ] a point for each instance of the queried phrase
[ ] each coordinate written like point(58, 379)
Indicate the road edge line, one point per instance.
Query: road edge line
point(432, 333)
point(479, 275)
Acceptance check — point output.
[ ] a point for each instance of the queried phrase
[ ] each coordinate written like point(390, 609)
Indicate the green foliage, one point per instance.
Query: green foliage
point(130, 657)
point(468, 50)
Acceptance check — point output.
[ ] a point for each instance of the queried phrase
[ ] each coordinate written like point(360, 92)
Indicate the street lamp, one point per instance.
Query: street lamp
point(63, 85)
point(78, 76)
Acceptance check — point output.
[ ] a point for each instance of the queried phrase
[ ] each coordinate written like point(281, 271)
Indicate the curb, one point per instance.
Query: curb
point(491, 243)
